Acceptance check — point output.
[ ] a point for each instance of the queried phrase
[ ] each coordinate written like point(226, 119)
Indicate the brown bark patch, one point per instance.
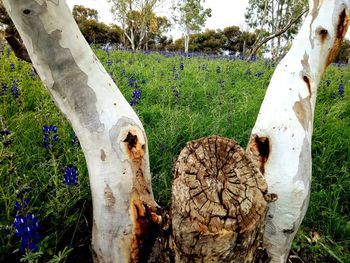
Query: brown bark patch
point(145, 219)
point(308, 84)
point(302, 110)
point(146, 228)
point(218, 202)
point(103, 155)
point(342, 25)
point(260, 149)
point(134, 147)
point(109, 196)
point(306, 72)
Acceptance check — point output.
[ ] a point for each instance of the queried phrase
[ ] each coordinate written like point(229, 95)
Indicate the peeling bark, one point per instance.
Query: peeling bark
point(286, 119)
point(219, 203)
point(111, 135)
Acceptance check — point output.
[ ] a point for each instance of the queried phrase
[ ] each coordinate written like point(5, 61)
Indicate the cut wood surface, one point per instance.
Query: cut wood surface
point(219, 203)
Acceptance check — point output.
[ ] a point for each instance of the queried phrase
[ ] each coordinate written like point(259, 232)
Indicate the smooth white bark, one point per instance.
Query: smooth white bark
point(281, 137)
point(109, 131)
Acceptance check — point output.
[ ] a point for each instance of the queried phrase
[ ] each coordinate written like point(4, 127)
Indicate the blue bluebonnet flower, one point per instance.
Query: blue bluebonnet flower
point(21, 204)
point(182, 66)
point(176, 93)
point(253, 58)
point(123, 72)
point(32, 74)
point(14, 90)
point(75, 139)
point(109, 62)
point(4, 88)
point(341, 89)
point(218, 69)
point(328, 82)
point(259, 74)
point(131, 81)
point(71, 176)
point(5, 132)
point(27, 227)
point(248, 72)
point(50, 135)
point(12, 66)
point(143, 82)
point(6, 141)
point(136, 96)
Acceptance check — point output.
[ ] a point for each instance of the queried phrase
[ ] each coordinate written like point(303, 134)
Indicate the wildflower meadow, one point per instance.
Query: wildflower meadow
point(45, 202)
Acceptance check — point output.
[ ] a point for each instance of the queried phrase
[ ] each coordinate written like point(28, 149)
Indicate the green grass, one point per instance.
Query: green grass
point(203, 107)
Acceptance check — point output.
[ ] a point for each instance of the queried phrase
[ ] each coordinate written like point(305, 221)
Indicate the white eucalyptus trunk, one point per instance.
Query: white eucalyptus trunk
point(187, 41)
point(110, 133)
point(281, 137)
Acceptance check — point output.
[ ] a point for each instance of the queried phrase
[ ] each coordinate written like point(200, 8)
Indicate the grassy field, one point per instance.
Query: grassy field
point(178, 99)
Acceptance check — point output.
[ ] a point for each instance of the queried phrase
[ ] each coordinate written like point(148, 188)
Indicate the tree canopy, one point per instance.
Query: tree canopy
point(190, 16)
point(276, 21)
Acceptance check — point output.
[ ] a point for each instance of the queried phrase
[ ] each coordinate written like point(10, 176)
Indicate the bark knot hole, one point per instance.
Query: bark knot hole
point(26, 11)
point(135, 148)
point(131, 140)
point(263, 144)
point(323, 33)
point(259, 150)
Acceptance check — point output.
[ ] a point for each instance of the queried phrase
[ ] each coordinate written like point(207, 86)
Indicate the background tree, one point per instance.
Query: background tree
point(190, 16)
point(81, 13)
point(277, 22)
point(238, 41)
point(135, 17)
point(93, 30)
point(210, 41)
point(156, 39)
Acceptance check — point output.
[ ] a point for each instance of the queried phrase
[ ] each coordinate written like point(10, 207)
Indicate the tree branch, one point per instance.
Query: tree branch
point(261, 42)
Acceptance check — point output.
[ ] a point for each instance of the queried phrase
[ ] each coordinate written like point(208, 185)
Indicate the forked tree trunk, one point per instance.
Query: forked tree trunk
point(281, 137)
point(219, 195)
point(111, 135)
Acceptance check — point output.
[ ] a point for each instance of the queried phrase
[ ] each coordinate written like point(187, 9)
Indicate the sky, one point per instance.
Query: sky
point(224, 13)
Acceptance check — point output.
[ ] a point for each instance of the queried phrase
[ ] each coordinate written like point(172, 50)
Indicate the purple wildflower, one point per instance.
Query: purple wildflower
point(4, 88)
point(71, 176)
point(341, 89)
point(27, 227)
point(50, 135)
point(14, 90)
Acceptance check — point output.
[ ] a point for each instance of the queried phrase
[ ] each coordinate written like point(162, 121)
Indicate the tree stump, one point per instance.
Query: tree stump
point(219, 203)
